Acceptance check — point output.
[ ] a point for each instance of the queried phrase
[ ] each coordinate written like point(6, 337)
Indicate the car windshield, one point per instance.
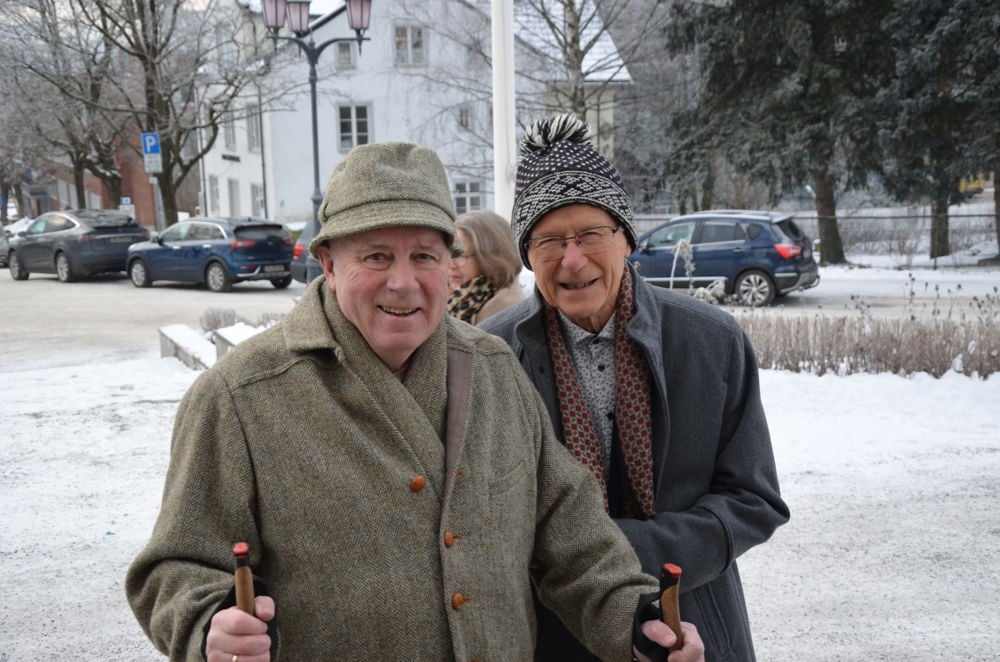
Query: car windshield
point(261, 232)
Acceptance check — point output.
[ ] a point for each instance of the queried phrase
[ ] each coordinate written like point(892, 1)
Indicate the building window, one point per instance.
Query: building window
point(467, 197)
point(228, 50)
point(254, 141)
point(465, 117)
point(234, 197)
point(410, 45)
point(354, 126)
point(257, 200)
point(213, 194)
point(345, 55)
point(229, 134)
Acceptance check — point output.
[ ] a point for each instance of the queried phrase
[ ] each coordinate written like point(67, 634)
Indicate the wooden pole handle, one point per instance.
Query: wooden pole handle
point(670, 609)
point(243, 578)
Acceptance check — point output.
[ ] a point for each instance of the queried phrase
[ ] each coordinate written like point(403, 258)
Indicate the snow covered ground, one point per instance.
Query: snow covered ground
point(892, 553)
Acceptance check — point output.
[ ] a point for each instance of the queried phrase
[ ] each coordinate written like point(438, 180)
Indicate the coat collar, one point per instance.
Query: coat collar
point(646, 328)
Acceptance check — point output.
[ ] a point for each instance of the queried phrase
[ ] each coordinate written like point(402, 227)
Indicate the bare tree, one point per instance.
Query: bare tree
point(18, 150)
point(566, 60)
point(60, 78)
point(184, 68)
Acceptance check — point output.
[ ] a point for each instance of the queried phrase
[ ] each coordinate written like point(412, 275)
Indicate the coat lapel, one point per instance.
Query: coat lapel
point(414, 409)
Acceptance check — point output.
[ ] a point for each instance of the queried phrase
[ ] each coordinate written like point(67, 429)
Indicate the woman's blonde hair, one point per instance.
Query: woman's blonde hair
point(491, 241)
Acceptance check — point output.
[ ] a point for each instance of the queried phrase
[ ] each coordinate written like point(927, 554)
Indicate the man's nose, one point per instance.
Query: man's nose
point(402, 276)
point(573, 258)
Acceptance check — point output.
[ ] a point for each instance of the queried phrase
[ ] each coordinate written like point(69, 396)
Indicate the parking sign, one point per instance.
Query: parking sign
point(151, 143)
point(151, 153)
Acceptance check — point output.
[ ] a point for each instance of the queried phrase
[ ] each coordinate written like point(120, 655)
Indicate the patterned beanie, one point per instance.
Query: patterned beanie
point(559, 166)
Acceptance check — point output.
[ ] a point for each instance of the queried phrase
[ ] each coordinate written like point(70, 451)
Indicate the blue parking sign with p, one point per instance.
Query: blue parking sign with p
point(151, 143)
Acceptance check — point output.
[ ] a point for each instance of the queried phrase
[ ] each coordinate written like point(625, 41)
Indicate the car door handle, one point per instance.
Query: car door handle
point(737, 250)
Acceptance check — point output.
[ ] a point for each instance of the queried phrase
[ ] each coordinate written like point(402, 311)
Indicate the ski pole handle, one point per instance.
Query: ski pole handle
point(670, 610)
point(243, 578)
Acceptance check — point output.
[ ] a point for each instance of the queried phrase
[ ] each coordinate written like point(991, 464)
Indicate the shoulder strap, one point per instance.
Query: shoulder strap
point(459, 391)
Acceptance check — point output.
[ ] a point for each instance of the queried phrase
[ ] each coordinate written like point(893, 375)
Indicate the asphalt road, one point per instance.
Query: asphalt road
point(46, 323)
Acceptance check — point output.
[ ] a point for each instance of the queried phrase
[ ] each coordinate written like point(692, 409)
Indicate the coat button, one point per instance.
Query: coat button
point(450, 538)
point(417, 483)
point(457, 601)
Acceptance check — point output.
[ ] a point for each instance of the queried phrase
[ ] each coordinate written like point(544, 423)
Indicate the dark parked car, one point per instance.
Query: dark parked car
point(5, 237)
point(73, 244)
point(757, 255)
point(216, 251)
point(300, 256)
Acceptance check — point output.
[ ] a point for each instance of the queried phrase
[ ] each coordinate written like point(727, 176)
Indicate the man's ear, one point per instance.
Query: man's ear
point(325, 257)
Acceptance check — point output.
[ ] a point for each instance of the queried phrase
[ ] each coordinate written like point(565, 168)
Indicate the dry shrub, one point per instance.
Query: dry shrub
point(848, 345)
point(219, 318)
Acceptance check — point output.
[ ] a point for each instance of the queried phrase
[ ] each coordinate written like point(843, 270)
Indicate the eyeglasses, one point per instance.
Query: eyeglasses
point(549, 248)
point(460, 260)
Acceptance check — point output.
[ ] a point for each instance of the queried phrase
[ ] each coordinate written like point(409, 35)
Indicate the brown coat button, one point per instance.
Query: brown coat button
point(457, 601)
point(449, 538)
point(417, 483)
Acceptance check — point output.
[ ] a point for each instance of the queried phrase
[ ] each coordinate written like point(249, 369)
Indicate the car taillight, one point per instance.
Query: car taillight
point(242, 243)
point(298, 251)
point(83, 238)
point(788, 251)
point(289, 240)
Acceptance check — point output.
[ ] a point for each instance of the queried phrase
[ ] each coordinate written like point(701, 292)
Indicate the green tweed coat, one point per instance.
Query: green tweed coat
point(391, 520)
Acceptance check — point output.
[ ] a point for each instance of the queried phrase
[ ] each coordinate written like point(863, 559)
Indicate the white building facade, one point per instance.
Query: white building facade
point(421, 76)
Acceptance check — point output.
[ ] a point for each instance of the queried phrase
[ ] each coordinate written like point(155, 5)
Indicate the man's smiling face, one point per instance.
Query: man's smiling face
point(584, 287)
point(392, 284)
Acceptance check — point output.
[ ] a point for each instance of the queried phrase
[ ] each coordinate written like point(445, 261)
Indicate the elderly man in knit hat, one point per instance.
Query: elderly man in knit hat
point(655, 393)
point(365, 448)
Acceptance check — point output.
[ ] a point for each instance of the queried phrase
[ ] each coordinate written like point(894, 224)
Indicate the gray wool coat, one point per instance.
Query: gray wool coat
point(716, 487)
point(390, 520)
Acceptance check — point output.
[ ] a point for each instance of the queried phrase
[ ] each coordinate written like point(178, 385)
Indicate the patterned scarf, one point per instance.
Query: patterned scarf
point(633, 407)
point(467, 299)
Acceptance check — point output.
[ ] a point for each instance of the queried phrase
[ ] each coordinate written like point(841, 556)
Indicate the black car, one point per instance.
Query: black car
point(73, 244)
point(302, 258)
point(216, 251)
point(756, 255)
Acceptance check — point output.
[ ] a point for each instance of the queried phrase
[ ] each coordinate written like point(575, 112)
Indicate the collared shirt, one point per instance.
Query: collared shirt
point(594, 359)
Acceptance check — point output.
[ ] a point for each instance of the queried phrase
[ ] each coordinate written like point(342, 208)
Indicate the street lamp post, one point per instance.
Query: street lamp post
point(297, 13)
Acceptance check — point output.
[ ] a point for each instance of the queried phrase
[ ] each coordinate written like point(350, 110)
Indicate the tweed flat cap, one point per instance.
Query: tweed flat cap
point(385, 185)
point(559, 166)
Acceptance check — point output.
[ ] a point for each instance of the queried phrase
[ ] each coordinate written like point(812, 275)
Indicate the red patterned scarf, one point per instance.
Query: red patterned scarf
point(632, 406)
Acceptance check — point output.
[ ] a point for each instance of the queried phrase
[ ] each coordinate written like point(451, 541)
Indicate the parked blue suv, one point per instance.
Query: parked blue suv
point(756, 255)
point(216, 251)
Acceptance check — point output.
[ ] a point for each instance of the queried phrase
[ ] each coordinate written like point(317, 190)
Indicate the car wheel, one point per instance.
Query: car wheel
point(17, 270)
point(217, 278)
point(281, 283)
point(63, 270)
point(754, 288)
point(138, 274)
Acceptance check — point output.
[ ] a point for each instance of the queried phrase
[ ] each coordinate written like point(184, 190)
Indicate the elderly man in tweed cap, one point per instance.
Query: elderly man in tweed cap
point(392, 469)
point(657, 394)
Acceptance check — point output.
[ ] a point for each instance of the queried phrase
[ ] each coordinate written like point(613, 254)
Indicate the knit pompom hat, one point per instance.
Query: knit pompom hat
point(559, 166)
